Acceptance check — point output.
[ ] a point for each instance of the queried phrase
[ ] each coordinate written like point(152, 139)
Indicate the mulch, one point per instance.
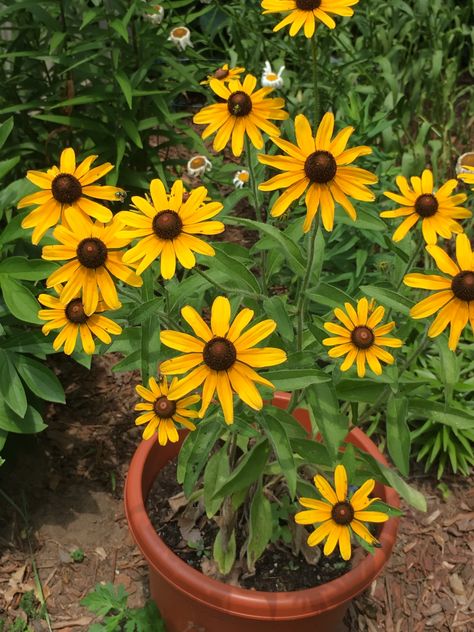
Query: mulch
point(69, 481)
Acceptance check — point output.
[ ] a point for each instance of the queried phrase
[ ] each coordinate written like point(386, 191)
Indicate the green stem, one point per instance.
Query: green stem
point(302, 298)
point(411, 261)
point(256, 203)
point(146, 329)
point(317, 103)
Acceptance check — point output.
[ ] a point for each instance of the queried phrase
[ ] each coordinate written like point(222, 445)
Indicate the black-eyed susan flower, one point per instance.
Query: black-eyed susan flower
point(437, 210)
point(339, 514)
point(319, 166)
point(244, 112)
point(67, 186)
point(167, 226)
point(74, 323)
point(361, 338)
point(467, 175)
point(222, 356)
point(455, 298)
point(198, 165)
point(224, 74)
point(181, 37)
point(307, 13)
point(91, 248)
point(162, 409)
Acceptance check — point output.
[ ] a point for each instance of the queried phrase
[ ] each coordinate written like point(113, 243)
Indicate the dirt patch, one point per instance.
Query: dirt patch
point(69, 482)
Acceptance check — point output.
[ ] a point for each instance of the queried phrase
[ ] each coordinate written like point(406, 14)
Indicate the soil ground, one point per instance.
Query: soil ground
point(68, 484)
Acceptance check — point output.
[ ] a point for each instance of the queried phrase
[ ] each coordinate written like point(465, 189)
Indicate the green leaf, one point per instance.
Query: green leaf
point(11, 387)
point(197, 447)
point(398, 433)
point(291, 250)
point(119, 28)
point(31, 423)
point(7, 165)
point(40, 379)
point(236, 273)
point(55, 41)
point(146, 310)
point(132, 132)
point(19, 300)
point(313, 452)
point(125, 86)
point(459, 419)
point(216, 473)
point(391, 478)
point(260, 527)
point(323, 406)
point(319, 248)
point(249, 468)
point(292, 427)
point(356, 390)
point(276, 433)
point(276, 309)
point(329, 295)
point(225, 558)
point(5, 130)
point(389, 298)
point(27, 269)
point(294, 379)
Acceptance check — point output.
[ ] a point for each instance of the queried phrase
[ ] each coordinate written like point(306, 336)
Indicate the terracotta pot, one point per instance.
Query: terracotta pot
point(191, 602)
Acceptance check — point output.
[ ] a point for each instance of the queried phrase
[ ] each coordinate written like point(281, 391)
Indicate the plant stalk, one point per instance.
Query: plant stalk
point(258, 209)
point(146, 328)
point(316, 96)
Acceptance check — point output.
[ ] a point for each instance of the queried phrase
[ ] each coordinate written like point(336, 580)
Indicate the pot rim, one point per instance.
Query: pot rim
point(241, 601)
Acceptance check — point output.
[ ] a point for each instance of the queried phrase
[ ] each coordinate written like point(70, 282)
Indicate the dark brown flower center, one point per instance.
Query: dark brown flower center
point(426, 205)
point(363, 337)
point(320, 167)
point(66, 188)
point(462, 285)
point(307, 5)
point(221, 73)
point(167, 224)
point(164, 407)
point(75, 312)
point(219, 354)
point(239, 103)
point(92, 252)
point(342, 513)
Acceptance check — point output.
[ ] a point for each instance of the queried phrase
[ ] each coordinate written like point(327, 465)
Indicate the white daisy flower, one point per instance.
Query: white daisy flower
point(271, 79)
point(198, 165)
point(465, 163)
point(155, 14)
point(181, 36)
point(241, 178)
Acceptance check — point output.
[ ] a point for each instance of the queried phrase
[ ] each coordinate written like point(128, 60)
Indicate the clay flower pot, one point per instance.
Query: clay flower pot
point(191, 602)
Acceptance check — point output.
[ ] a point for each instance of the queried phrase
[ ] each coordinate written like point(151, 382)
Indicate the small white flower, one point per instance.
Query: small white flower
point(241, 178)
point(181, 36)
point(198, 165)
point(155, 14)
point(465, 163)
point(271, 79)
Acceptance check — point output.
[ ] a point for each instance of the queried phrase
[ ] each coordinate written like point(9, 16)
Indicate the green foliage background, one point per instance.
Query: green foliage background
point(96, 75)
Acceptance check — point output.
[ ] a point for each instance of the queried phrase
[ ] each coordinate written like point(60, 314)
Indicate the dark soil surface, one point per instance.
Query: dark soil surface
point(68, 484)
point(191, 537)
